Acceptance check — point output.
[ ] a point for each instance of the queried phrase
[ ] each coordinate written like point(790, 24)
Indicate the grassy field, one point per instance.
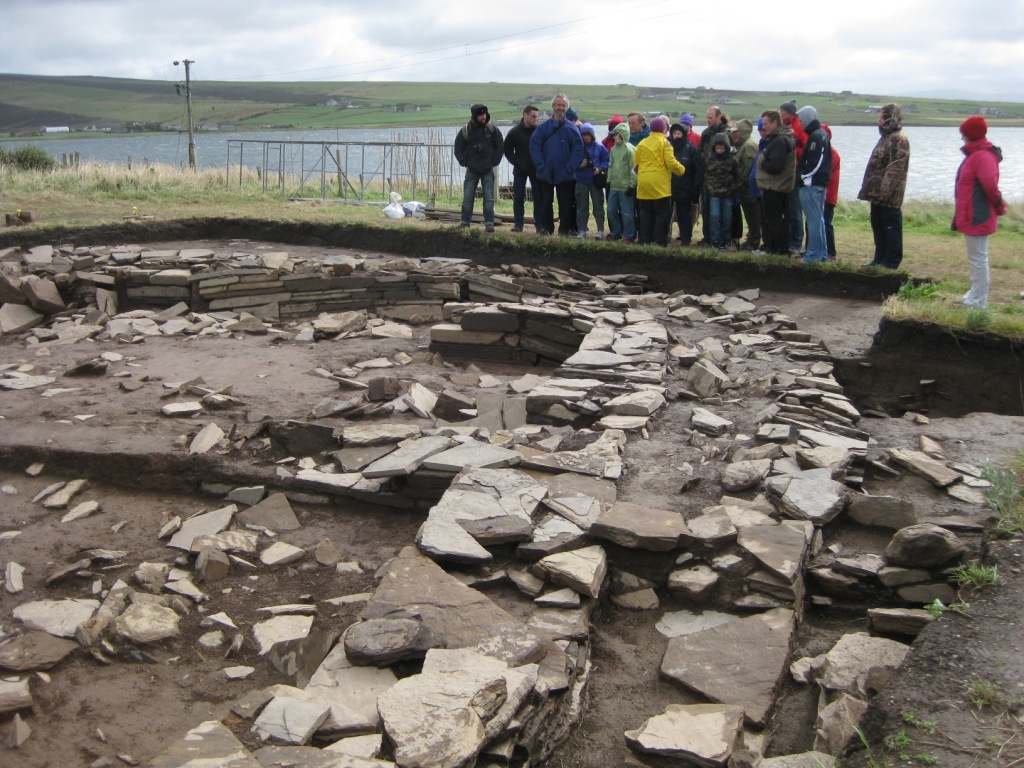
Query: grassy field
point(102, 194)
point(28, 102)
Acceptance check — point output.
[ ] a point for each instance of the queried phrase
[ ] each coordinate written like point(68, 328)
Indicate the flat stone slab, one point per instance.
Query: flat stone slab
point(457, 615)
point(640, 527)
point(34, 650)
point(58, 617)
point(15, 318)
point(581, 569)
point(706, 734)
point(206, 524)
point(280, 628)
point(274, 512)
point(739, 663)
point(473, 454)
point(407, 458)
point(361, 435)
point(782, 548)
point(679, 623)
point(937, 473)
point(291, 720)
point(208, 745)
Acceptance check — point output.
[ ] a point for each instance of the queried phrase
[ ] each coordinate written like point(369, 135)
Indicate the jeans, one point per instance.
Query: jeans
point(586, 194)
point(720, 210)
point(469, 195)
point(655, 220)
point(519, 198)
point(621, 221)
point(977, 255)
point(812, 202)
point(887, 227)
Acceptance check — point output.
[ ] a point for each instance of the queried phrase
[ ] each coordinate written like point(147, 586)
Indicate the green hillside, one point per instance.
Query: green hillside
point(29, 102)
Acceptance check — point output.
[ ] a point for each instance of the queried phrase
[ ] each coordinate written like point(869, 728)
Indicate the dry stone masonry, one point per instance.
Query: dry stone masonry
point(519, 486)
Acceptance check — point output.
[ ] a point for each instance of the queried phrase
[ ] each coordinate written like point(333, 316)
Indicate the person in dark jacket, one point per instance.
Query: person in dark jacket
point(517, 152)
point(478, 149)
point(721, 183)
point(557, 150)
point(979, 203)
point(685, 188)
point(717, 122)
point(775, 174)
point(814, 171)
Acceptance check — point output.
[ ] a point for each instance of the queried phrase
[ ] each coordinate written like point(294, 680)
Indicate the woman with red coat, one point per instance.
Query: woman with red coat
point(978, 203)
point(831, 199)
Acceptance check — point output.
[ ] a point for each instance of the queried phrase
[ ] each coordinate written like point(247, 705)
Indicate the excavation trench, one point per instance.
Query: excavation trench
point(887, 367)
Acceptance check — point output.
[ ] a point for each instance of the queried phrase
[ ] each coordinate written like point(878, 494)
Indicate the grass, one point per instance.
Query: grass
point(97, 194)
point(976, 576)
point(1005, 495)
point(983, 694)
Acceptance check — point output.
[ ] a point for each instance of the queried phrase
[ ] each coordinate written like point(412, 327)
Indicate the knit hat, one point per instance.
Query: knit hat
point(686, 119)
point(658, 125)
point(789, 107)
point(479, 109)
point(760, 123)
point(974, 128)
point(571, 115)
point(807, 114)
point(616, 119)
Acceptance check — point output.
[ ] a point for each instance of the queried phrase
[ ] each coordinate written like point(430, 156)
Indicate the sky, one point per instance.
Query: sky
point(890, 47)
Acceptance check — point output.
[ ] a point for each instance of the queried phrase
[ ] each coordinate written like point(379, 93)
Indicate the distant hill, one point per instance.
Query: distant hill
point(30, 102)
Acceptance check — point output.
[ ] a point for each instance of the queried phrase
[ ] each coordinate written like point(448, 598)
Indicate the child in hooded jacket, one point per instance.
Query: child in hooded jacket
point(594, 165)
point(721, 183)
point(621, 186)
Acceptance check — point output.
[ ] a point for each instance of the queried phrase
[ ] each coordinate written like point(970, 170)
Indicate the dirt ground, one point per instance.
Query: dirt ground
point(136, 705)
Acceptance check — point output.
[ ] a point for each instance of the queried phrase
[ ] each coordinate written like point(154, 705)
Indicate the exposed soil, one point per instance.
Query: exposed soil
point(140, 475)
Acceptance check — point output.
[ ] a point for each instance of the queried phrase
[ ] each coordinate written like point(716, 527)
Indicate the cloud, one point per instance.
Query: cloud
point(871, 46)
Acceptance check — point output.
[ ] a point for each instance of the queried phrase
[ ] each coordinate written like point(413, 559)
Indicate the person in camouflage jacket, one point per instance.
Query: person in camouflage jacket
point(885, 181)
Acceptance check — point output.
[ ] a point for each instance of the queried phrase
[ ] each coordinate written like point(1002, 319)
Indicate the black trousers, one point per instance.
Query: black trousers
point(773, 228)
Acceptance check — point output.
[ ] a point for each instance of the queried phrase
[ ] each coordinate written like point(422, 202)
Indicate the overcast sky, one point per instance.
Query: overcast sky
point(897, 47)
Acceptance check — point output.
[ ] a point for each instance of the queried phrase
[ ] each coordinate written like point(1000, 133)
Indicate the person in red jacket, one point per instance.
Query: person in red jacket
point(978, 203)
point(831, 199)
point(794, 213)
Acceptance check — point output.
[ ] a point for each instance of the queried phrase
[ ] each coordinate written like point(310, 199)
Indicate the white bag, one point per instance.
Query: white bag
point(393, 210)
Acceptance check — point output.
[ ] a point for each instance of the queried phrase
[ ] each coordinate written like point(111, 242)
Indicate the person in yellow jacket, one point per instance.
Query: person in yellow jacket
point(655, 163)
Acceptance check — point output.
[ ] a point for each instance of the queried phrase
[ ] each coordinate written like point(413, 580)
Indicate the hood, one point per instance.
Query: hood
point(622, 130)
point(892, 119)
point(588, 128)
point(981, 144)
point(827, 130)
point(745, 128)
point(720, 138)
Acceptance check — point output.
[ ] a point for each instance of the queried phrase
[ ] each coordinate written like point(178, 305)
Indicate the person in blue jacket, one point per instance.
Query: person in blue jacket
point(591, 177)
point(557, 150)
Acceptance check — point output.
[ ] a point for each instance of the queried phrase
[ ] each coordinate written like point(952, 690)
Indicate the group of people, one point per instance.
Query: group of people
point(785, 184)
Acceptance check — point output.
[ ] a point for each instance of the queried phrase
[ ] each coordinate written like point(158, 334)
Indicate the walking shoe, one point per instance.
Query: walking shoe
point(464, 224)
point(581, 235)
point(599, 235)
point(517, 228)
point(489, 227)
point(627, 241)
point(759, 252)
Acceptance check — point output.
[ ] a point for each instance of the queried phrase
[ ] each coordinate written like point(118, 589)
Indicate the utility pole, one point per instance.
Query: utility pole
point(188, 103)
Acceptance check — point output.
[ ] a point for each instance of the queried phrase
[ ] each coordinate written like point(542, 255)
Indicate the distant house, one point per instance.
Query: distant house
point(56, 129)
point(328, 103)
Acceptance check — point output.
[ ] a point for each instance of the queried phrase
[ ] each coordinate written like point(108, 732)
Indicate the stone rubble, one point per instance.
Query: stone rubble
point(491, 472)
